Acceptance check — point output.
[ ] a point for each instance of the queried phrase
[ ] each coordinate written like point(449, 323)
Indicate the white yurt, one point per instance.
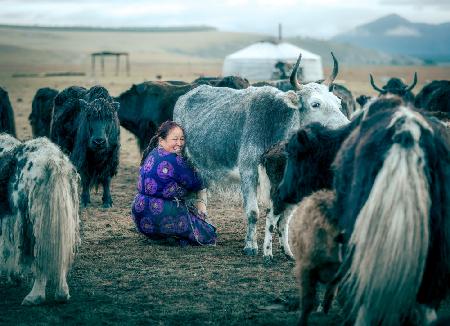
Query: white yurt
point(257, 62)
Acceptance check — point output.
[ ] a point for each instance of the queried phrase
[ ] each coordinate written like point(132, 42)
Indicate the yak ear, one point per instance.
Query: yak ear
point(291, 99)
point(340, 238)
point(115, 105)
point(303, 140)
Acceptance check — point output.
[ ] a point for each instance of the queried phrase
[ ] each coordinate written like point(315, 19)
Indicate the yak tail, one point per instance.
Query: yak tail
point(264, 186)
point(53, 211)
point(389, 244)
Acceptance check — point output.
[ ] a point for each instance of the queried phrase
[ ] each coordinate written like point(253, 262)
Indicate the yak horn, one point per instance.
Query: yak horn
point(413, 83)
point(375, 86)
point(329, 81)
point(294, 81)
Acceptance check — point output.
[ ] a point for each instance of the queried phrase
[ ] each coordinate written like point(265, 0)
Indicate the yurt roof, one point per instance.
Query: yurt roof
point(271, 50)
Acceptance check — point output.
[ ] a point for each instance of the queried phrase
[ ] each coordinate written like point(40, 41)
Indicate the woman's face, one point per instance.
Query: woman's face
point(174, 142)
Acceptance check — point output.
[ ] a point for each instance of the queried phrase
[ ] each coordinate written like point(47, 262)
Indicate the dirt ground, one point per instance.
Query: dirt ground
point(120, 277)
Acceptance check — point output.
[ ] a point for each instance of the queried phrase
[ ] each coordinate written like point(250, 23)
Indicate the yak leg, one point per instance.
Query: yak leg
point(307, 282)
point(85, 196)
point(107, 199)
point(37, 294)
point(249, 181)
point(62, 291)
point(271, 222)
point(329, 295)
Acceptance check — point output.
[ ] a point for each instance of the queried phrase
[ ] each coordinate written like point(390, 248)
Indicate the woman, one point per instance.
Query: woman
point(165, 179)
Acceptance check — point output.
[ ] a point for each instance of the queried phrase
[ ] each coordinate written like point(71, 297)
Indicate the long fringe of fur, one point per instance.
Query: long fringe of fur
point(390, 241)
point(54, 209)
point(264, 187)
point(107, 160)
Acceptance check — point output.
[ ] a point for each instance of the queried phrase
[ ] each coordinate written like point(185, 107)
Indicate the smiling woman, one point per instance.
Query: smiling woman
point(160, 209)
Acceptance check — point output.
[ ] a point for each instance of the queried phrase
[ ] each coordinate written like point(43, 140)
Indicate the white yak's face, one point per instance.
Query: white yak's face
point(318, 104)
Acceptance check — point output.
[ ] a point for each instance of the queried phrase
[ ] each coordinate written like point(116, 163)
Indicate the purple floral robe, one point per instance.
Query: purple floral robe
point(159, 210)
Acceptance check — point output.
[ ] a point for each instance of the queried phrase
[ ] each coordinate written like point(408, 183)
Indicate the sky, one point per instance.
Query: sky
point(307, 18)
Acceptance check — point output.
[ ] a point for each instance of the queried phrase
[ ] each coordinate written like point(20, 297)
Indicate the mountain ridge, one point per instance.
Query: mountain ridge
point(396, 35)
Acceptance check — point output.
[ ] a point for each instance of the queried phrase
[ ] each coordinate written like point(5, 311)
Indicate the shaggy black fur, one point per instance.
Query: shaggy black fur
point(362, 100)
point(6, 114)
point(395, 86)
point(235, 82)
point(41, 111)
point(435, 98)
point(86, 126)
point(63, 125)
point(307, 165)
point(8, 163)
point(357, 164)
point(145, 106)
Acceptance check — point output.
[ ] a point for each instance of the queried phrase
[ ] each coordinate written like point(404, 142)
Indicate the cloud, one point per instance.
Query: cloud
point(311, 18)
point(402, 31)
point(445, 4)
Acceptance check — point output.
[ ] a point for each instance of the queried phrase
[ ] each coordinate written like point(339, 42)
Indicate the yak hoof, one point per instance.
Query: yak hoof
point(33, 301)
point(250, 251)
point(62, 297)
point(107, 205)
point(268, 260)
point(289, 257)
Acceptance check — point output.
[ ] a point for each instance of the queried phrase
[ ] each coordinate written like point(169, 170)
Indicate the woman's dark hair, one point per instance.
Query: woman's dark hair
point(162, 132)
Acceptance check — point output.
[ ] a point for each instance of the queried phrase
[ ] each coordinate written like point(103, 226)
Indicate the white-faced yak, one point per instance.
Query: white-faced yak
point(235, 127)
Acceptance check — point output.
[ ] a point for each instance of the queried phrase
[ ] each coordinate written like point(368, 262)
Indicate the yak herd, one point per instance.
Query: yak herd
point(360, 197)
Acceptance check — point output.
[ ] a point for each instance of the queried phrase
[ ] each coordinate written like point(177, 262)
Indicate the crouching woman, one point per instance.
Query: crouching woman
point(160, 209)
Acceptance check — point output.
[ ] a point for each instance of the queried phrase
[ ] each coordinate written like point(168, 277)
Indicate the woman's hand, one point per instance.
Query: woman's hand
point(201, 206)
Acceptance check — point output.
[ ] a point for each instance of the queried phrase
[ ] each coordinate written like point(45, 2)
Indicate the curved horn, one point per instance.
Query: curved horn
point(413, 83)
point(375, 86)
point(333, 75)
point(294, 81)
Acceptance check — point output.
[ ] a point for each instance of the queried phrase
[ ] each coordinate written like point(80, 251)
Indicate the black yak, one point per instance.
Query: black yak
point(86, 126)
point(395, 86)
point(41, 111)
point(392, 183)
point(145, 106)
point(6, 114)
point(362, 100)
point(435, 98)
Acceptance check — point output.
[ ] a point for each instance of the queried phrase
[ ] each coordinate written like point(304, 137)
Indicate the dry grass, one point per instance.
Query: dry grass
point(119, 276)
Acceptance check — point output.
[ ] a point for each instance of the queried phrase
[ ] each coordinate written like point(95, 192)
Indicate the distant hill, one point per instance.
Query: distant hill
point(30, 48)
point(397, 35)
point(154, 29)
point(351, 55)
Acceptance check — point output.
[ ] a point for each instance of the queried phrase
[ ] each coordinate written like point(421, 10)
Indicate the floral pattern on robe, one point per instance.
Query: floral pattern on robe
point(158, 209)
